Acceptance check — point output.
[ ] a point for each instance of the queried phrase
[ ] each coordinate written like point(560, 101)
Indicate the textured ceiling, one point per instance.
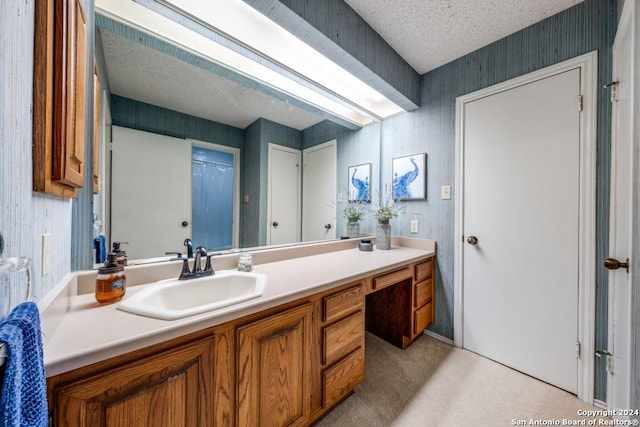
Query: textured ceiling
point(147, 75)
point(431, 33)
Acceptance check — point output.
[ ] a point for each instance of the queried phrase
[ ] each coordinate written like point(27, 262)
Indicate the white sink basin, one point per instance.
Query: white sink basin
point(175, 299)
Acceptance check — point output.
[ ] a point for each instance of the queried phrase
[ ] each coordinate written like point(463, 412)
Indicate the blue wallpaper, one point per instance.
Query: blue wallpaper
point(583, 28)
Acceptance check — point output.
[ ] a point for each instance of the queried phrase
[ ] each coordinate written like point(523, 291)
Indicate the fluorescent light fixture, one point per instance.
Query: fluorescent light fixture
point(146, 20)
point(241, 22)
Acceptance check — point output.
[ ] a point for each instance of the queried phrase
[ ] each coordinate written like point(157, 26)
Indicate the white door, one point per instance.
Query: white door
point(520, 223)
point(621, 217)
point(150, 194)
point(283, 219)
point(319, 190)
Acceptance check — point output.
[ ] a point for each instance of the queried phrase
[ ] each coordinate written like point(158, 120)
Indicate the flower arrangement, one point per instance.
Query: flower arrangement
point(354, 211)
point(387, 208)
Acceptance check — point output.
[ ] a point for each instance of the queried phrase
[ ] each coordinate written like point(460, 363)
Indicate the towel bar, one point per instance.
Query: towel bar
point(12, 265)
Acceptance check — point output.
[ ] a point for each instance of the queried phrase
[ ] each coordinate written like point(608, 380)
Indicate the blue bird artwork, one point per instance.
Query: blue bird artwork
point(361, 186)
point(402, 181)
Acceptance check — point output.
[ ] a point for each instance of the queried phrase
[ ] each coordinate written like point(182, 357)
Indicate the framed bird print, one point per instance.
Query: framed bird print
point(360, 183)
point(410, 177)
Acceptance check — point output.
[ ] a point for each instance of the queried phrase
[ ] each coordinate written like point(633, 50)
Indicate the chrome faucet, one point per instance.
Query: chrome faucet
point(189, 245)
point(197, 267)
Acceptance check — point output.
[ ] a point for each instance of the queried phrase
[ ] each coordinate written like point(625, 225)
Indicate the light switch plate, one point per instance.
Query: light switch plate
point(445, 192)
point(46, 254)
point(340, 198)
point(414, 225)
point(245, 199)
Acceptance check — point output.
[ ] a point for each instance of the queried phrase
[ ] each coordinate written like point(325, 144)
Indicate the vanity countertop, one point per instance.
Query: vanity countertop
point(87, 333)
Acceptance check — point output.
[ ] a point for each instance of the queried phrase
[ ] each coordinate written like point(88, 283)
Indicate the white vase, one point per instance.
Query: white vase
point(383, 236)
point(353, 230)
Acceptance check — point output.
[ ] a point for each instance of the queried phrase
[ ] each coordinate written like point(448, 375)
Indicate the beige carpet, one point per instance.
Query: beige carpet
point(434, 384)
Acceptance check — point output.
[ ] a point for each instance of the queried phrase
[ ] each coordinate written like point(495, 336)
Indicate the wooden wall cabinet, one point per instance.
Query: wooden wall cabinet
point(59, 111)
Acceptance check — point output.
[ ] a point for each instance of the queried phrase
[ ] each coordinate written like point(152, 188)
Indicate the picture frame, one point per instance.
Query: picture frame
point(409, 177)
point(359, 177)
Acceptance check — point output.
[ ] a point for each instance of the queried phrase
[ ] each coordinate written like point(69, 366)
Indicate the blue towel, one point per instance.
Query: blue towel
point(23, 399)
point(100, 245)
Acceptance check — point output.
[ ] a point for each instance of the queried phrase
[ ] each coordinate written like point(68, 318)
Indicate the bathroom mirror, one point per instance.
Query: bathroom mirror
point(155, 87)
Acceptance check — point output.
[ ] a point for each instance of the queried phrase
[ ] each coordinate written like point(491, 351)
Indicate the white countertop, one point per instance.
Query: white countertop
point(88, 333)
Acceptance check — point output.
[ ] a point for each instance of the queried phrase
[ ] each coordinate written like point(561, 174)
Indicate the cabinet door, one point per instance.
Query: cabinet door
point(173, 388)
point(274, 364)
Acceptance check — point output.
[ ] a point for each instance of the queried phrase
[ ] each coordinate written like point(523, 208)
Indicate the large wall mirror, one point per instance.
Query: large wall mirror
point(191, 150)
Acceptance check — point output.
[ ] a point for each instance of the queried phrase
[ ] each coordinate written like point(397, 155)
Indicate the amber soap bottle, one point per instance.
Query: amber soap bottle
point(111, 283)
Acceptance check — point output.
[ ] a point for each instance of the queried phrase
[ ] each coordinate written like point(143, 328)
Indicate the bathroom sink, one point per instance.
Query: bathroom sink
point(174, 299)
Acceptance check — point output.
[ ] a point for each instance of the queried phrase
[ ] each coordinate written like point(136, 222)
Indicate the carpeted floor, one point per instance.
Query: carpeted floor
point(434, 384)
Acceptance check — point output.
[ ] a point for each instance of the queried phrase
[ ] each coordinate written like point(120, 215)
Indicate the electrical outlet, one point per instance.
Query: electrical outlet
point(445, 192)
point(46, 254)
point(414, 225)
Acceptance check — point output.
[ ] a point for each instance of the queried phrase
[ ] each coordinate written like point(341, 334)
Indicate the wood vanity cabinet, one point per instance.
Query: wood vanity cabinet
point(400, 302)
point(342, 340)
point(172, 388)
point(274, 369)
point(284, 366)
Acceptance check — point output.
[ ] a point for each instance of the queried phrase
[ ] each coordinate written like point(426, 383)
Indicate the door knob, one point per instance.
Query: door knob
point(327, 226)
point(184, 223)
point(275, 223)
point(472, 240)
point(614, 264)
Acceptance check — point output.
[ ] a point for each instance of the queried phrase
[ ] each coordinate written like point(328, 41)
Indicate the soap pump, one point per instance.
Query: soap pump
point(121, 256)
point(111, 282)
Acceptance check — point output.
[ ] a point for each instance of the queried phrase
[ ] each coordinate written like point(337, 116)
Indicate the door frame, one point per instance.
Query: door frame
point(627, 23)
point(236, 181)
point(587, 215)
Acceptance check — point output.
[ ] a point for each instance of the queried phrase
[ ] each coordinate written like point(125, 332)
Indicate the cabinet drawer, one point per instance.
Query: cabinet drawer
point(422, 318)
point(337, 305)
point(423, 293)
point(342, 337)
point(340, 379)
point(392, 278)
point(424, 270)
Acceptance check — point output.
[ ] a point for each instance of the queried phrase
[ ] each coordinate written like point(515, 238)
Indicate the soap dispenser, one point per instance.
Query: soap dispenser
point(111, 282)
point(121, 256)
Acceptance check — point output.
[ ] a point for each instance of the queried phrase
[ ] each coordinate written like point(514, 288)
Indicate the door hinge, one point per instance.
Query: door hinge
point(578, 348)
point(614, 90)
point(608, 359)
point(580, 103)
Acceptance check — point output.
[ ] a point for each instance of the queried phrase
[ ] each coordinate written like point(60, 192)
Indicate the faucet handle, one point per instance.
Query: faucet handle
point(208, 267)
point(177, 254)
point(185, 273)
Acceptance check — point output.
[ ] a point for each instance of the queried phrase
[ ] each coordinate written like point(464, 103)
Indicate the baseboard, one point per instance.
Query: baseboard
point(438, 337)
point(599, 404)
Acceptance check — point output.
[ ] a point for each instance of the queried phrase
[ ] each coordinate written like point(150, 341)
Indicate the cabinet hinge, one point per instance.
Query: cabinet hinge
point(580, 103)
